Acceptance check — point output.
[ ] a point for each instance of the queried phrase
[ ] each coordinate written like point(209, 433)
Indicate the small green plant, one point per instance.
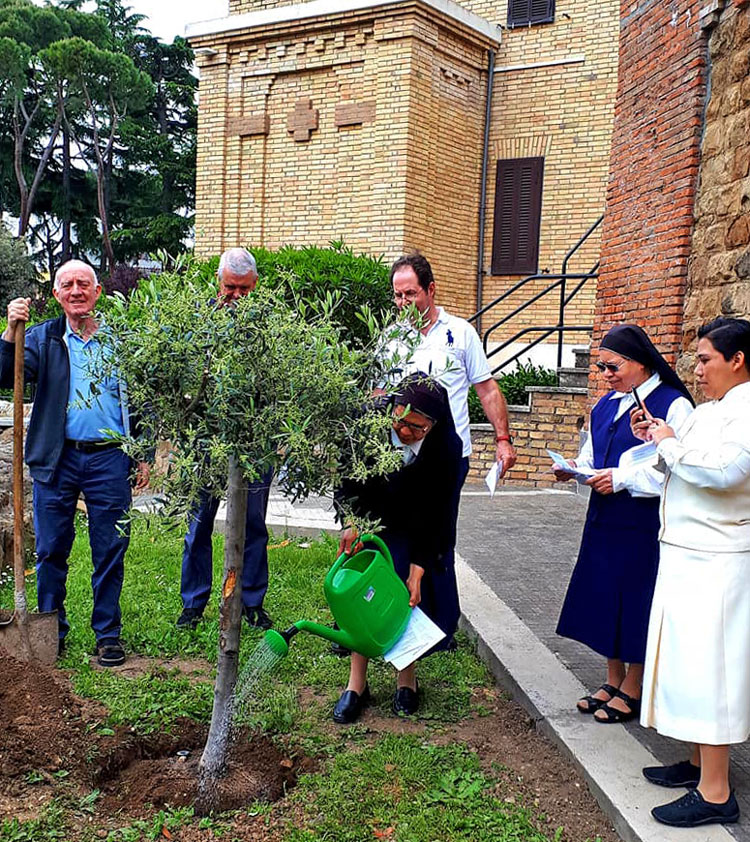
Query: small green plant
point(513, 385)
point(49, 826)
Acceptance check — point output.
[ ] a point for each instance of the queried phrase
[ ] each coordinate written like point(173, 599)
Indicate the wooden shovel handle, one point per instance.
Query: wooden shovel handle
point(18, 554)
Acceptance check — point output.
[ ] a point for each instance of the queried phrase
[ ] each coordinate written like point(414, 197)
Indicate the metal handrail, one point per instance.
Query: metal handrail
point(560, 281)
point(546, 331)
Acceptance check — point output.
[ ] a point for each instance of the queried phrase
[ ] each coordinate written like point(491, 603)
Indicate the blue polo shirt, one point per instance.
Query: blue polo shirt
point(90, 412)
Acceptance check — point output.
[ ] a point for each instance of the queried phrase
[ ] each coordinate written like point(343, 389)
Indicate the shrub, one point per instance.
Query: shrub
point(313, 273)
point(17, 273)
point(513, 385)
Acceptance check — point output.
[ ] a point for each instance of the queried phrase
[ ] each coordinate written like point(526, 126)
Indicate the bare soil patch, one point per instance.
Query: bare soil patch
point(49, 734)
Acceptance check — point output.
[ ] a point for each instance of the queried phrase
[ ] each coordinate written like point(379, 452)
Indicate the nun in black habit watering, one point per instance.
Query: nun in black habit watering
point(609, 596)
point(414, 506)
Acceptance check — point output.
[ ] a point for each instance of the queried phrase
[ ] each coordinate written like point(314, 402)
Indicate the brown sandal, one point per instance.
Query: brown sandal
point(593, 704)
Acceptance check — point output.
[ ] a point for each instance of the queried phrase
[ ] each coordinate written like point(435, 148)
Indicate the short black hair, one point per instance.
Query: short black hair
point(421, 266)
point(728, 336)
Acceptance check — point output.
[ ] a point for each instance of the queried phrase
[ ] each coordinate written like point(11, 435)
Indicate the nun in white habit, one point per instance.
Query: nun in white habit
point(697, 671)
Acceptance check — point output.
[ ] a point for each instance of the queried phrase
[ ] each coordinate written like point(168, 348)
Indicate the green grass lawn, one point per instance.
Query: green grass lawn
point(402, 787)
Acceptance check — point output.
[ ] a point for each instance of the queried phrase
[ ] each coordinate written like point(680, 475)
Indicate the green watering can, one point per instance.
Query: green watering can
point(367, 599)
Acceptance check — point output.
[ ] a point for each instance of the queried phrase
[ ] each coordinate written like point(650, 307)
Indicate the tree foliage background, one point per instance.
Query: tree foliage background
point(97, 132)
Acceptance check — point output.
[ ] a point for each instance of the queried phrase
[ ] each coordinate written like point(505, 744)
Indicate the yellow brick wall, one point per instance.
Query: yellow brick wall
point(410, 177)
point(563, 113)
point(553, 420)
point(404, 178)
point(445, 162)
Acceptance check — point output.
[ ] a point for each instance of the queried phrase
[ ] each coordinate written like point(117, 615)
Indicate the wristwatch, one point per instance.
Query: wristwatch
point(507, 438)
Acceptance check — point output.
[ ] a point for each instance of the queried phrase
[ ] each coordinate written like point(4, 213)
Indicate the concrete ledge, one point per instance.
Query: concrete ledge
point(609, 758)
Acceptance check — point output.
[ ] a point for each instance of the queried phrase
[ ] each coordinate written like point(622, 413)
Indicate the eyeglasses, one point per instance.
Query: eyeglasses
point(613, 367)
point(417, 428)
point(410, 295)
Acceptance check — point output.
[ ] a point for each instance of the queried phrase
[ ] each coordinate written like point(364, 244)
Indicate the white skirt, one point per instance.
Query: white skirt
point(696, 681)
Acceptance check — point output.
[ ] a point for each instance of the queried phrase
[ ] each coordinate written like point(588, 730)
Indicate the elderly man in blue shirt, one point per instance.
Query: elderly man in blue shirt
point(69, 452)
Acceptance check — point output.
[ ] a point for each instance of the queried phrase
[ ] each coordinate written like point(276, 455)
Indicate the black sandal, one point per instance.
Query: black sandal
point(593, 703)
point(613, 715)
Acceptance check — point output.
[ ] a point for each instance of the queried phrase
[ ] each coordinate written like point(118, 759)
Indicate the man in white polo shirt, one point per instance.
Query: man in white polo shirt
point(450, 349)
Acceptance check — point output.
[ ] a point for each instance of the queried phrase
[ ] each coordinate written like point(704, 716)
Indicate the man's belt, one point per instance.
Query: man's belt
point(91, 446)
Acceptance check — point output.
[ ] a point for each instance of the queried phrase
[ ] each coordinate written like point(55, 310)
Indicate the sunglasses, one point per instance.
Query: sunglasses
point(613, 367)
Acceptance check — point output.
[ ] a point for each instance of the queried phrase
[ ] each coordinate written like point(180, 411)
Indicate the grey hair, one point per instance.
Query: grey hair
point(239, 261)
point(73, 264)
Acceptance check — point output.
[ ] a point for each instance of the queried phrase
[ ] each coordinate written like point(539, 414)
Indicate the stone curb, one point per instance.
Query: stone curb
point(609, 758)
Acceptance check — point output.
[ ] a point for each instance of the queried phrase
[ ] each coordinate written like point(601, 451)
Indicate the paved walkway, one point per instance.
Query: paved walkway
point(516, 555)
point(522, 547)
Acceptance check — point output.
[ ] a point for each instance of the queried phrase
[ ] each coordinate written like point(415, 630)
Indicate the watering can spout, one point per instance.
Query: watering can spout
point(332, 635)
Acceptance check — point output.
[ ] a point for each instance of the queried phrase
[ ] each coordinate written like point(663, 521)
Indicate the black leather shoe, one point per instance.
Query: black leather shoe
point(678, 774)
point(257, 618)
point(350, 705)
point(60, 647)
point(341, 651)
point(693, 811)
point(189, 618)
point(406, 701)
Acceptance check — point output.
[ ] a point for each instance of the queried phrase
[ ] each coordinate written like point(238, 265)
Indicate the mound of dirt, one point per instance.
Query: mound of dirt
point(49, 732)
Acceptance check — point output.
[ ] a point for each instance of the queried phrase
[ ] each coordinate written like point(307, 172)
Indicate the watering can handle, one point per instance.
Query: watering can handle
point(371, 539)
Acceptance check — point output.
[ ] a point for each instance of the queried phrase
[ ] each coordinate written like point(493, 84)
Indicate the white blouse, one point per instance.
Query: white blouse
point(706, 503)
point(640, 480)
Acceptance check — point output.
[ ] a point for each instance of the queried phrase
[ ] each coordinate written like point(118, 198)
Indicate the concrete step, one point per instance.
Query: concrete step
point(576, 378)
point(582, 357)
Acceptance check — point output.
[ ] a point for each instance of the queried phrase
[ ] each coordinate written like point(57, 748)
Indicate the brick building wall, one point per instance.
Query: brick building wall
point(646, 238)
point(719, 268)
point(408, 176)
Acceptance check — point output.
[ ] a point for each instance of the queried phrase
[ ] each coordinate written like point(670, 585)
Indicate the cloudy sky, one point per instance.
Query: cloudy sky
point(167, 18)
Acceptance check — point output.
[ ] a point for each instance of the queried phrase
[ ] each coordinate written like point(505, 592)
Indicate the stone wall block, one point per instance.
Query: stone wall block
point(736, 301)
point(720, 269)
point(716, 170)
point(713, 138)
point(742, 266)
point(739, 232)
point(740, 163)
point(733, 100)
point(742, 26)
point(720, 42)
point(714, 237)
point(740, 64)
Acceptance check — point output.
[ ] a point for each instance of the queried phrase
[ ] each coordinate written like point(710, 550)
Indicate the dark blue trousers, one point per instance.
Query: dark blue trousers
point(197, 556)
point(104, 480)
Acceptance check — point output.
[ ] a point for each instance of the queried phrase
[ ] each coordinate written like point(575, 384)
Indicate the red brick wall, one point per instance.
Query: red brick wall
point(653, 170)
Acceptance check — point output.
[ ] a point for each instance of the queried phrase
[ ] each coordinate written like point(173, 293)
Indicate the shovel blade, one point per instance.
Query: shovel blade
point(43, 637)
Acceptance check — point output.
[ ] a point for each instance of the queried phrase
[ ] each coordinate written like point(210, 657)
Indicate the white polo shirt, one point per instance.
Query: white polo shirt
point(452, 352)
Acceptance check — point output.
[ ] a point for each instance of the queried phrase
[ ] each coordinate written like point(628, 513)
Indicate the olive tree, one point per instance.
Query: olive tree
point(237, 391)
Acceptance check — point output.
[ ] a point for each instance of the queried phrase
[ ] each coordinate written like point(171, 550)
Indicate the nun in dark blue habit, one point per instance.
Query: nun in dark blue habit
point(609, 596)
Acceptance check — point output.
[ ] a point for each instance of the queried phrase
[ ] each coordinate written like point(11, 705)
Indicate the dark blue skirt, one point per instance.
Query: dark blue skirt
point(609, 597)
point(439, 588)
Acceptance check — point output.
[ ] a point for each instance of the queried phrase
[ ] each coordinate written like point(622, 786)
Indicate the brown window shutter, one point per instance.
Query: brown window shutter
point(527, 12)
point(518, 211)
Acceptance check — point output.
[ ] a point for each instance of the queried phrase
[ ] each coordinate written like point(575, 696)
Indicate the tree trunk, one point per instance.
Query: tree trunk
point(230, 616)
point(65, 249)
